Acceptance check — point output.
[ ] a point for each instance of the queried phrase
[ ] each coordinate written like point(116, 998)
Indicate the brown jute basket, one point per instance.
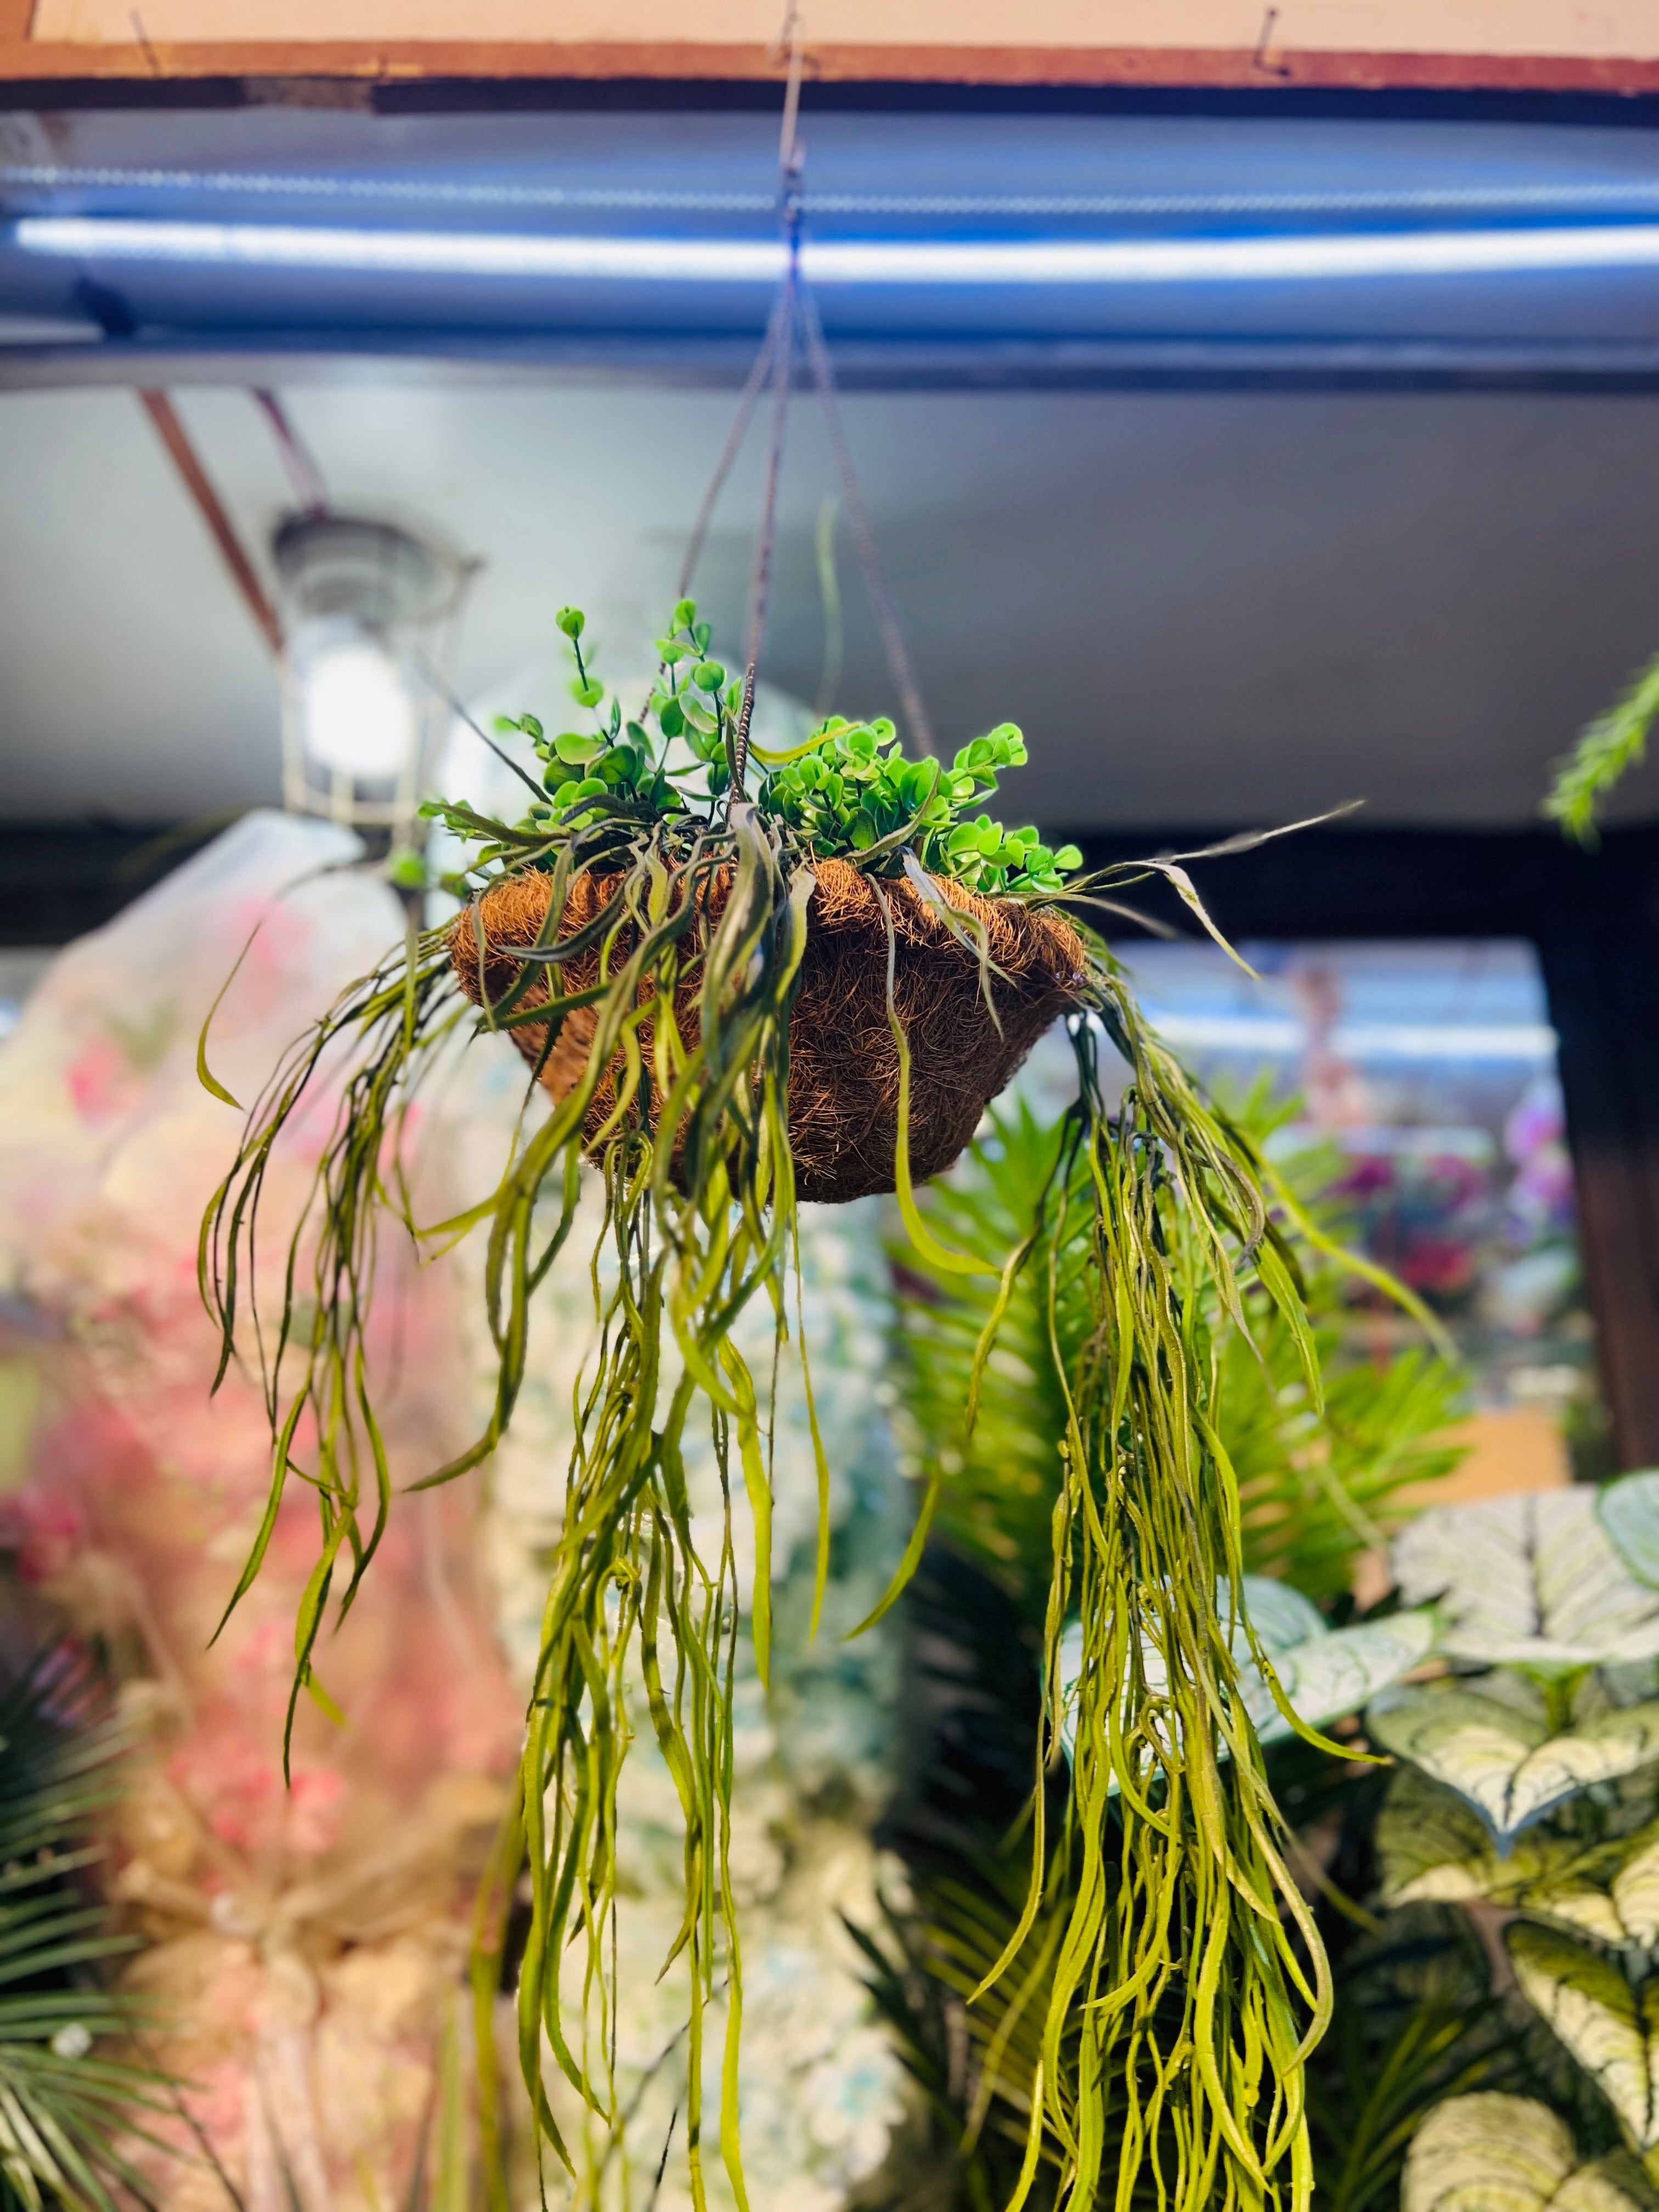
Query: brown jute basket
point(843, 1061)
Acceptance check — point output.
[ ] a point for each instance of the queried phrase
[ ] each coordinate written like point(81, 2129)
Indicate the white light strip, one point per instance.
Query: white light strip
point(832, 261)
point(404, 252)
point(1209, 260)
point(1281, 1035)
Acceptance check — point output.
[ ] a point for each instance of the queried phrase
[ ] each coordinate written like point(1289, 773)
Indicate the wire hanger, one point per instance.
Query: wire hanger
point(794, 322)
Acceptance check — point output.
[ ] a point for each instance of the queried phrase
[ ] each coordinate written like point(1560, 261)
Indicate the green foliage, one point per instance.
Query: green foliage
point(63, 2106)
point(1416, 2023)
point(1176, 2011)
point(1531, 1786)
point(1612, 745)
point(1320, 1476)
point(996, 1486)
point(1415, 2018)
point(974, 2057)
point(848, 790)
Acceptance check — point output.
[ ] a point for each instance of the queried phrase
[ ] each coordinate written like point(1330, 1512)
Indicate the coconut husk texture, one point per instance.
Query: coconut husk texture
point(843, 1061)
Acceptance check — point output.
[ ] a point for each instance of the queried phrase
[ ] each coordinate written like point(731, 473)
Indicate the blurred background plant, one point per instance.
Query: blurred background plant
point(72, 2093)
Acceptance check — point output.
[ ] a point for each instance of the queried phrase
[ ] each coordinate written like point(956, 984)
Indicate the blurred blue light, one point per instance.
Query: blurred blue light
point(837, 262)
point(403, 253)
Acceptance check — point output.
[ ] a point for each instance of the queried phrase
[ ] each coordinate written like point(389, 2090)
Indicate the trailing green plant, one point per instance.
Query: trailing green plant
point(1321, 1475)
point(1414, 2018)
point(1524, 1794)
point(1415, 2021)
point(65, 2105)
point(1613, 745)
point(1187, 1982)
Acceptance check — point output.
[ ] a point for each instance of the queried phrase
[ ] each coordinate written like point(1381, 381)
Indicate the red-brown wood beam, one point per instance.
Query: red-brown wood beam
point(197, 483)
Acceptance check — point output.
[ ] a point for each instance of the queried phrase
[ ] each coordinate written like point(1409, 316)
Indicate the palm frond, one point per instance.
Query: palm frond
point(65, 2109)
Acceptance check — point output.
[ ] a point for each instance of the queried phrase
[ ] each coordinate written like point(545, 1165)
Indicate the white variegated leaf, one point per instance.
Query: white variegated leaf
point(1625, 1912)
point(1589, 1912)
point(1628, 1510)
point(1635, 1892)
point(1281, 1617)
point(1503, 1759)
point(1434, 1848)
point(1324, 1673)
point(1490, 2153)
point(1339, 1671)
point(1531, 1581)
point(1609, 2024)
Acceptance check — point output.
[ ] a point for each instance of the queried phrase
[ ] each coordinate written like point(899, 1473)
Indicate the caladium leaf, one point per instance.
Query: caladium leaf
point(1532, 1581)
point(1281, 1617)
point(1504, 1759)
point(1490, 2153)
point(1339, 1670)
point(1628, 1510)
point(1609, 2022)
point(1625, 1911)
point(1437, 1849)
point(1324, 1673)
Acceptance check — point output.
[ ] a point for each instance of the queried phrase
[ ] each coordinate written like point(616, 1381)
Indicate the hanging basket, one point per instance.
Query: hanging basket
point(843, 1058)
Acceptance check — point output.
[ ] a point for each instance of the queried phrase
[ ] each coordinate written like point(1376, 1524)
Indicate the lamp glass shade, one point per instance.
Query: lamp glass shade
point(369, 615)
point(358, 717)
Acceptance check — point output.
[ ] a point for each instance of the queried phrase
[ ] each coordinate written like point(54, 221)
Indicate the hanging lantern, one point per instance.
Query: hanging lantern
point(370, 617)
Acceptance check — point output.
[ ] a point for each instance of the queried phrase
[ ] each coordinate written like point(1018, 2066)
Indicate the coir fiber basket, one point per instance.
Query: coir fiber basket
point(843, 1060)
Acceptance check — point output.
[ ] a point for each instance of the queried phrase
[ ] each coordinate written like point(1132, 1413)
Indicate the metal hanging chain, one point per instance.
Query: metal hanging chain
point(739, 431)
point(899, 667)
point(795, 313)
point(297, 458)
point(783, 378)
point(788, 202)
point(760, 580)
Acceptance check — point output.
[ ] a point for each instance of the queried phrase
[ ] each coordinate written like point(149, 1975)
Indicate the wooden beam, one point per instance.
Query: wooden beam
point(35, 64)
point(199, 484)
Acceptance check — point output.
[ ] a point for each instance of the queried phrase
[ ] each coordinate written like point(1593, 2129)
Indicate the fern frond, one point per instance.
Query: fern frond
point(1614, 743)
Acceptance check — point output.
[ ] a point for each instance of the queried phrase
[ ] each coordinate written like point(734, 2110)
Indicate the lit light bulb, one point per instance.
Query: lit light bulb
point(357, 713)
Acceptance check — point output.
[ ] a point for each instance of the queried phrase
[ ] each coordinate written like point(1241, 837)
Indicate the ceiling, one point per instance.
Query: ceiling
point(1215, 609)
point(1209, 601)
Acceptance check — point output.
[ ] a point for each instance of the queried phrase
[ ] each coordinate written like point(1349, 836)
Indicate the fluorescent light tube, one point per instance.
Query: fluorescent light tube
point(1282, 1035)
point(1211, 260)
point(838, 262)
point(404, 252)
